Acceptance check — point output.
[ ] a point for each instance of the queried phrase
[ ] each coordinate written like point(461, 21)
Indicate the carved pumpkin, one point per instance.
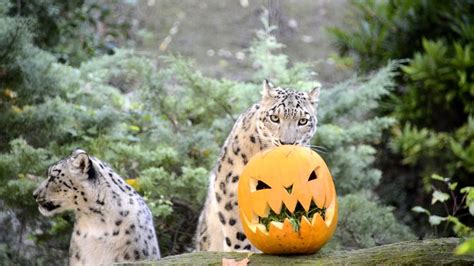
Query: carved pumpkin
point(287, 201)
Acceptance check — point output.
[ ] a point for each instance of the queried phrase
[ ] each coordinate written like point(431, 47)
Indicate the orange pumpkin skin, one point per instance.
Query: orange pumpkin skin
point(280, 168)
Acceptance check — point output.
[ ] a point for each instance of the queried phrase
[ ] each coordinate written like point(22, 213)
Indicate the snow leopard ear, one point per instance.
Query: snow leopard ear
point(78, 151)
point(314, 95)
point(268, 91)
point(81, 164)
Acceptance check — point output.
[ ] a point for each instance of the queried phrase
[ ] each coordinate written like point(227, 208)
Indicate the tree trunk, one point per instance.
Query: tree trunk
point(429, 252)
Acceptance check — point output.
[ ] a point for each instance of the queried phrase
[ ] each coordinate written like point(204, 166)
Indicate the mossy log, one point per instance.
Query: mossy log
point(426, 252)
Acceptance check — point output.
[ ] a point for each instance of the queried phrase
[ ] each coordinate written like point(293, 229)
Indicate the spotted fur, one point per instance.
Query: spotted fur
point(283, 116)
point(113, 223)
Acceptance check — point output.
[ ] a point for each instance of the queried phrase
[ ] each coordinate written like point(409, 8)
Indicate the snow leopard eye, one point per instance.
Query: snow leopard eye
point(302, 122)
point(275, 119)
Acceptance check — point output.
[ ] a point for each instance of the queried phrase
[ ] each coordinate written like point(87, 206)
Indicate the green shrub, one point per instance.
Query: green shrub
point(439, 101)
point(441, 84)
point(69, 30)
point(451, 216)
point(363, 222)
point(378, 31)
point(435, 98)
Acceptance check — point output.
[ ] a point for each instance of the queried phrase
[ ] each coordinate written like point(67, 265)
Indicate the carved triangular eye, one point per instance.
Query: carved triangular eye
point(312, 176)
point(262, 185)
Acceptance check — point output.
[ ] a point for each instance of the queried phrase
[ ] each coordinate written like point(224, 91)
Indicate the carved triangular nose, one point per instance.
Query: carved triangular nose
point(289, 189)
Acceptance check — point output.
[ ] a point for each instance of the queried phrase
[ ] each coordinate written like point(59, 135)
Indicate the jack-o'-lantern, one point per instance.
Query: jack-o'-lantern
point(287, 201)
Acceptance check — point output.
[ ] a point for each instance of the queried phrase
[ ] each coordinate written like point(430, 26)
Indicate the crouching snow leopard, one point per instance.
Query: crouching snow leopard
point(113, 223)
point(283, 116)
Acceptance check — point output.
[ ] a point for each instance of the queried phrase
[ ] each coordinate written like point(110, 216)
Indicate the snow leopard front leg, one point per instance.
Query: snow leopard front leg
point(219, 225)
point(225, 186)
point(209, 236)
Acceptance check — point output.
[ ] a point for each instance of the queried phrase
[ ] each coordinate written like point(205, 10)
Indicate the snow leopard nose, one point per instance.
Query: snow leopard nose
point(35, 194)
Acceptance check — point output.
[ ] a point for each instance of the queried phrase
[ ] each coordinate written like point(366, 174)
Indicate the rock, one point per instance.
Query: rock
point(429, 252)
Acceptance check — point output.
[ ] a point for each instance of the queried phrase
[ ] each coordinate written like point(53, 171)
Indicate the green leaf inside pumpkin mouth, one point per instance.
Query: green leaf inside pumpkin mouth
point(295, 217)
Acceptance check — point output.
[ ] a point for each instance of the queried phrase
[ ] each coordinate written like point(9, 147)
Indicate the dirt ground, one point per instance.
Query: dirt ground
point(217, 33)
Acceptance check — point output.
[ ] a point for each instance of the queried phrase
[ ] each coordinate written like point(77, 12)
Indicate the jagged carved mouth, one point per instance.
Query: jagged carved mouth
point(276, 214)
point(295, 218)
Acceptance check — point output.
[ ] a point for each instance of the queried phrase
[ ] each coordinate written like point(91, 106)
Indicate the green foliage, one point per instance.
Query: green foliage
point(273, 65)
point(466, 202)
point(26, 164)
point(384, 30)
point(467, 247)
point(448, 153)
point(22, 65)
point(441, 84)
point(347, 140)
point(347, 146)
point(365, 223)
point(23, 161)
point(434, 103)
point(70, 29)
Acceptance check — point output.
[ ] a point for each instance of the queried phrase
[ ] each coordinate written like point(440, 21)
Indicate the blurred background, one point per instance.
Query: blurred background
point(153, 88)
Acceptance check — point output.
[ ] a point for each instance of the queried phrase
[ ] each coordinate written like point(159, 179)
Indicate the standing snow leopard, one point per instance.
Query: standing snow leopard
point(283, 116)
point(113, 223)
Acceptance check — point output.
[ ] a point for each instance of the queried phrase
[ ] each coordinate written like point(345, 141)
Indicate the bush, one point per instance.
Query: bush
point(378, 31)
point(364, 223)
point(441, 84)
point(434, 102)
point(73, 31)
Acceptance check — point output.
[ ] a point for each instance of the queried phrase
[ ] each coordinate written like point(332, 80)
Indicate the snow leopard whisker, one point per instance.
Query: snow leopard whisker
point(319, 149)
